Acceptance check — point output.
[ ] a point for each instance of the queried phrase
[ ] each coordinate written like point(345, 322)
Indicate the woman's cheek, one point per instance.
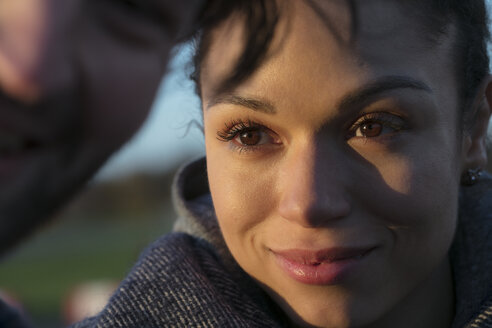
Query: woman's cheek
point(243, 196)
point(409, 179)
point(415, 198)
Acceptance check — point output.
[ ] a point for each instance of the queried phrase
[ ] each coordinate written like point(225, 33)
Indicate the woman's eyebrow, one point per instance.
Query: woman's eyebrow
point(351, 100)
point(376, 87)
point(254, 104)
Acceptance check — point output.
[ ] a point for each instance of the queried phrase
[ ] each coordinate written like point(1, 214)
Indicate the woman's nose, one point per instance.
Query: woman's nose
point(313, 187)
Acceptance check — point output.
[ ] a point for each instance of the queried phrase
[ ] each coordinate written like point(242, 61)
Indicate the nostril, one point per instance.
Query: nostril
point(314, 212)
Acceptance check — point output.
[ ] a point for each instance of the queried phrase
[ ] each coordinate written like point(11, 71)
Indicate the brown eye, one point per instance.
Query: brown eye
point(369, 130)
point(250, 138)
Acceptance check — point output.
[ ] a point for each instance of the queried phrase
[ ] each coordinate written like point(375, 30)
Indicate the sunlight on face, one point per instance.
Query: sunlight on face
point(334, 169)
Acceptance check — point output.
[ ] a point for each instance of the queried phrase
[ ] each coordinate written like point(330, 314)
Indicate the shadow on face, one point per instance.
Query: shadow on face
point(338, 142)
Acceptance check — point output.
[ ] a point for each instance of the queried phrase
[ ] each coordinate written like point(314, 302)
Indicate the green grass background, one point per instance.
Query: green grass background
point(42, 271)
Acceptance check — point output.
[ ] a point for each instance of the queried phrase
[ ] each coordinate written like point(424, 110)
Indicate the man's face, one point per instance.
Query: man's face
point(334, 170)
point(77, 79)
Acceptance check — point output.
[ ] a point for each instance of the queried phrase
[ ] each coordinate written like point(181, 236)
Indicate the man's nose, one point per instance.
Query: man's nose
point(313, 188)
point(33, 36)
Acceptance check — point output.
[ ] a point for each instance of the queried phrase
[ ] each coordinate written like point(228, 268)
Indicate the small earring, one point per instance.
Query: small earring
point(471, 176)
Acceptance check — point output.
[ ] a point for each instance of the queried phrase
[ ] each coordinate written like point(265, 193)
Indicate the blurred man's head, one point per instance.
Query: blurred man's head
point(77, 79)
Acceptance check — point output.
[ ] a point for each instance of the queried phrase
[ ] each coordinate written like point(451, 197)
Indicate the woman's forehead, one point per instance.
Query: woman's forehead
point(316, 44)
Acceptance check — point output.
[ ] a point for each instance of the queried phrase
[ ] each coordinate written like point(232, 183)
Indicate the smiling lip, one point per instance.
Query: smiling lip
point(321, 267)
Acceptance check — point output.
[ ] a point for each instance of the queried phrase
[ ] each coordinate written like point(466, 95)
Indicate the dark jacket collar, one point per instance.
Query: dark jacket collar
point(471, 256)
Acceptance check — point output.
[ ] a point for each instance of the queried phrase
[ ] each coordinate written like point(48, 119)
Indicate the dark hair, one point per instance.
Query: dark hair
point(469, 17)
point(260, 17)
point(470, 56)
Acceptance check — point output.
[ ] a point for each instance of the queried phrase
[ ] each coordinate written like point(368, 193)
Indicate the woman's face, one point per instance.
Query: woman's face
point(334, 170)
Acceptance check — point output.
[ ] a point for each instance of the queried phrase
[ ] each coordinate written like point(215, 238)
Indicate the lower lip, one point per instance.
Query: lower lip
point(12, 163)
point(325, 273)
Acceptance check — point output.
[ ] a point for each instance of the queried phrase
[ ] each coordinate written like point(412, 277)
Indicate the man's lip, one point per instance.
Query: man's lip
point(27, 132)
point(13, 144)
point(12, 163)
point(327, 255)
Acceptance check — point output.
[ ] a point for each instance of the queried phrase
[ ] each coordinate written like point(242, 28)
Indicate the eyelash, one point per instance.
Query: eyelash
point(234, 128)
point(387, 120)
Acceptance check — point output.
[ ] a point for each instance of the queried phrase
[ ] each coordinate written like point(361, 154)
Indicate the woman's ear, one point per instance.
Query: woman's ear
point(474, 150)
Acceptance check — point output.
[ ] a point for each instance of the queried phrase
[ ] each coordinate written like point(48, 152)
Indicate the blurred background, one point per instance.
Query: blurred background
point(66, 271)
point(69, 268)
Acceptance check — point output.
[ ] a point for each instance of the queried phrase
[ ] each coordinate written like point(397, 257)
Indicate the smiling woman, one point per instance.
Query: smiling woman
point(333, 189)
point(328, 199)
